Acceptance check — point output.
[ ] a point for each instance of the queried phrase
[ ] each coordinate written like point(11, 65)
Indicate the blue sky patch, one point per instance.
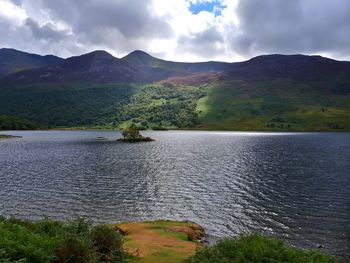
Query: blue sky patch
point(212, 7)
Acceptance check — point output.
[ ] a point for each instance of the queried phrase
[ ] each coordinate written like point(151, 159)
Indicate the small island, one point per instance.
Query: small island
point(132, 134)
point(5, 136)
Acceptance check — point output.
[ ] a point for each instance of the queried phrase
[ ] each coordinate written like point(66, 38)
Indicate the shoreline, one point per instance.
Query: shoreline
point(183, 130)
point(156, 241)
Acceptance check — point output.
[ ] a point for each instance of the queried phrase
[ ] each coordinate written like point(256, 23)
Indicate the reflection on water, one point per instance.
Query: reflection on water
point(293, 185)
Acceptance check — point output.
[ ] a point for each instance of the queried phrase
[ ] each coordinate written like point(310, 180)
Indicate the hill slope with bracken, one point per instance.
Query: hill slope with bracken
point(270, 92)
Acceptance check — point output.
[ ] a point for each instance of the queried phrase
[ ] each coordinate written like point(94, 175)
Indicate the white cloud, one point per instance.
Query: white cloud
point(12, 12)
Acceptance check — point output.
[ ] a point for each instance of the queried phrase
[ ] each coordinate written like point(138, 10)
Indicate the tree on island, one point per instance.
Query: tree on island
point(132, 134)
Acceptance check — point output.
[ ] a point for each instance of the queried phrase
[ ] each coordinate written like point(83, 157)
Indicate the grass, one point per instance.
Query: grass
point(256, 249)
point(54, 241)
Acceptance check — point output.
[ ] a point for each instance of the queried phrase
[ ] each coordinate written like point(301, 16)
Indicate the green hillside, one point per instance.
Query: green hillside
point(106, 106)
point(272, 105)
point(222, 105)
point(13, 123)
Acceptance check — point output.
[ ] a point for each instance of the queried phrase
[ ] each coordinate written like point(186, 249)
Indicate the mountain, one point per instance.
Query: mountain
point(270, 92)
point(297, 67)
point(142, 59)
point(102, 67)
point(97, 66)
point(140, 67)
point(12, 61)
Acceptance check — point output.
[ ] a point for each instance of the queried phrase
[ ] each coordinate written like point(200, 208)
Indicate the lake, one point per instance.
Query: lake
point(292, 185)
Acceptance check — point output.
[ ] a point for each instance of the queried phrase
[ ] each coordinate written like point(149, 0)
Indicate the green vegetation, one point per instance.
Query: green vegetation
point(272, 106)
point(105, 106)
point(13, 123)
point(254, 248)
point(275, 105)
point(53, 241)
point(143, 242)
point(132, 134)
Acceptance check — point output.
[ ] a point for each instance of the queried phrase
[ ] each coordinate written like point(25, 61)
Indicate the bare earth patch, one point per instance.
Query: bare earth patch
point(161, 241)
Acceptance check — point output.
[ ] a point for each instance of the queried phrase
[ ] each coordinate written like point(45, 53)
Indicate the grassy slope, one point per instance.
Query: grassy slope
point(265, 106)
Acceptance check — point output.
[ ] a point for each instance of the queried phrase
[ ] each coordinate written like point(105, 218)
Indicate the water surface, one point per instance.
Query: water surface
point(293, 185)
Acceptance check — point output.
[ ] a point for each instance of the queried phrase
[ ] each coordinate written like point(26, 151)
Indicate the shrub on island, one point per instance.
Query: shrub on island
point(132, 134)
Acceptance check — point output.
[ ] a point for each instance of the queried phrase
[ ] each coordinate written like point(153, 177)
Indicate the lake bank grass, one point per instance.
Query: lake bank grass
point(256, 248)
point(55, 241)
point(141, 242)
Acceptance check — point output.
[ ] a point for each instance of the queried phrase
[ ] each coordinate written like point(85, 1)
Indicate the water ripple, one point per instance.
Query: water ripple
point(294, 185)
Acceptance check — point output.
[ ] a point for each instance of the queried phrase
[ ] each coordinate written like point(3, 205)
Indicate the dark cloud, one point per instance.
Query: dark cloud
point(110, 22)
point(298, 26)
point(115, 25)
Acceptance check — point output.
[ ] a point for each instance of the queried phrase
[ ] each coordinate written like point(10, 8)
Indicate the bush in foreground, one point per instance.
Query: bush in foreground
point(54, 241)
point(256, 249)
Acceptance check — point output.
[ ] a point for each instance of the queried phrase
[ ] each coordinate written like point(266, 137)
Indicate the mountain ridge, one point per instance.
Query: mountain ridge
point(138, 66)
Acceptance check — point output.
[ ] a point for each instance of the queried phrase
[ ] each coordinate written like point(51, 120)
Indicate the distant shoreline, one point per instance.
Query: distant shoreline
point(189, 129)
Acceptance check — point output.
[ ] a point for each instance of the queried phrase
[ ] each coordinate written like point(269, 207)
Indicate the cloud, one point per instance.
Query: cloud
point(201, 43)
point(46, 31)
point(299, 26)
point(239, 30)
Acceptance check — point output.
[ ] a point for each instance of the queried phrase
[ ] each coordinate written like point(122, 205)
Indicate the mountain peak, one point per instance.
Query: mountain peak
point(140, 58)
point(99, 54)
point(138, 53)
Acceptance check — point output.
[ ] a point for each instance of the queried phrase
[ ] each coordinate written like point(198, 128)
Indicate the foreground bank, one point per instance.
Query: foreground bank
point(148, 242)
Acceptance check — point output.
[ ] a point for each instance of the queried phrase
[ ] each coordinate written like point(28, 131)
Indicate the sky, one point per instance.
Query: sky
point(178, 30)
